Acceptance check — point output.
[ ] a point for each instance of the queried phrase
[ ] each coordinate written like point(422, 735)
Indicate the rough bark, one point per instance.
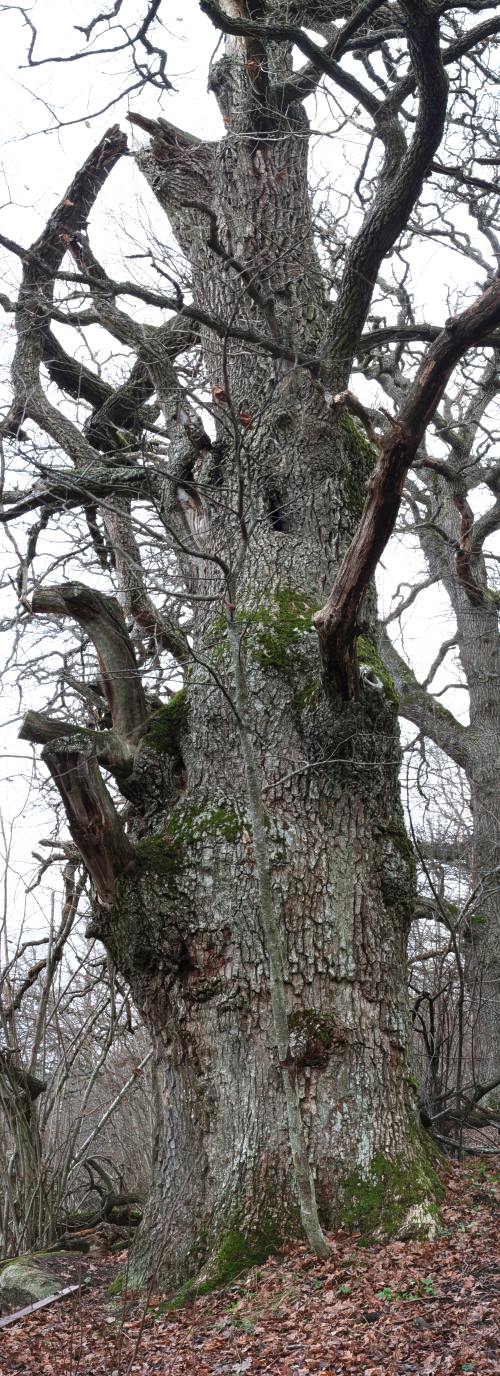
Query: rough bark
point(188, 931)
point(260, 520)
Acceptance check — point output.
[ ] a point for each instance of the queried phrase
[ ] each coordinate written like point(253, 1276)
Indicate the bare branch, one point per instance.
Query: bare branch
point(336, 622)
point(102, 619)
point(92, 817)
point(110, 750)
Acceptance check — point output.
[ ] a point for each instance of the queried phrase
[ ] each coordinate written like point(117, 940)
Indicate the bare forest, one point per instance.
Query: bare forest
point(250, 502)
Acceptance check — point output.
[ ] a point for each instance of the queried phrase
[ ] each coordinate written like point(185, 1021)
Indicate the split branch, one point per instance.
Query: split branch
point(92, 817)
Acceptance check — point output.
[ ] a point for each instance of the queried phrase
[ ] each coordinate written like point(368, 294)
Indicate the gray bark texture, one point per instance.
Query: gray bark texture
point(276, 499)
point(458, 563)
point(259, 903)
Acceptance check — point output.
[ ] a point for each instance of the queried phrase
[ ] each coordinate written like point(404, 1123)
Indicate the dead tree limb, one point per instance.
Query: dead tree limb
point(92, 817)
point(110, 750)
point(336, 623)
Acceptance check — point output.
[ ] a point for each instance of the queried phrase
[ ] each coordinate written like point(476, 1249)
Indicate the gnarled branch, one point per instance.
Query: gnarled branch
point(336, 623)
point(110, 750)
point(102, 619)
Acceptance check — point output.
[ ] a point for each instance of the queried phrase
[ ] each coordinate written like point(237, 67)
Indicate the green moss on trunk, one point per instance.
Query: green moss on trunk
point(165, 725)
point(395, 1198)
point(236, 1254)
point(368, 654)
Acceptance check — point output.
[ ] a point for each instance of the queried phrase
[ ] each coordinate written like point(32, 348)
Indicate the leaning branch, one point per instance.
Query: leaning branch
point(336, 623)
point(64, 490)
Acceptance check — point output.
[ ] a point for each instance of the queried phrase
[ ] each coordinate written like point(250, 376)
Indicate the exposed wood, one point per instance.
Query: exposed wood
point(92, 817)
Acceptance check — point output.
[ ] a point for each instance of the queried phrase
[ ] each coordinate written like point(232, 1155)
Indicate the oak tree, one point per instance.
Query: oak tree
point(252, 878)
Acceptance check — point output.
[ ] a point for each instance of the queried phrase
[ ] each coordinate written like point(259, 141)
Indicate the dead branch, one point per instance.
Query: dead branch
point(110, 750)
point(336, 623)
point(92, 817)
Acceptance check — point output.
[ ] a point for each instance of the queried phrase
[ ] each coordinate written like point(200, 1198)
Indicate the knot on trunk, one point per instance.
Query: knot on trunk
point(314, 1037)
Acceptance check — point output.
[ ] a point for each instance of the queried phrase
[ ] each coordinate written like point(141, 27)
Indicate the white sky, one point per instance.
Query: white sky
point(37, 162)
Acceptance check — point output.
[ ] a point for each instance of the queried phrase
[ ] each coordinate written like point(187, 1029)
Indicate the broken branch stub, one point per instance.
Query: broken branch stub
point(103, 620)
point(92, 817)
point(110, 750)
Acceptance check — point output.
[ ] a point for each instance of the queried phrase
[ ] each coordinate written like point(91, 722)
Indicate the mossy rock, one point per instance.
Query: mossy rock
point(396, 1198)
point(24, 1281)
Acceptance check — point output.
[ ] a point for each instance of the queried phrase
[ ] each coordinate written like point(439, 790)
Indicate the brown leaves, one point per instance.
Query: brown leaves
point(399, 1309)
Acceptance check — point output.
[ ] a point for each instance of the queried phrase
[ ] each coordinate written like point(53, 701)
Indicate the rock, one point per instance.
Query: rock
point(23, 1282)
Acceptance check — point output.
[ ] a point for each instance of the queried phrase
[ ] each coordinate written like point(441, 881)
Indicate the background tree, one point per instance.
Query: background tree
point(74, 1097)
point(256, 890)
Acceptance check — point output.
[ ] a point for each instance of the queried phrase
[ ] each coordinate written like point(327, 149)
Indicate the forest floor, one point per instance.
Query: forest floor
point(394, 1309)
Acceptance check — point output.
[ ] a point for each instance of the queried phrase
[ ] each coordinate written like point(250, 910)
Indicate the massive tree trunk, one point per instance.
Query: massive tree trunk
point(273, 774)
point(186, 931)
point(276, 497)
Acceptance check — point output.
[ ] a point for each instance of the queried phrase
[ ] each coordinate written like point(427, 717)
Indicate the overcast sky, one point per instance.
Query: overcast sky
point(49, 123)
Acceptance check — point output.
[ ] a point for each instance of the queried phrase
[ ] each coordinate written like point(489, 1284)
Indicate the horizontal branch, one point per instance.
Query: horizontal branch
point(456, 852)
point(225, 329)
point(408, 334)
point(67, 489)
point(110, 750)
